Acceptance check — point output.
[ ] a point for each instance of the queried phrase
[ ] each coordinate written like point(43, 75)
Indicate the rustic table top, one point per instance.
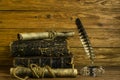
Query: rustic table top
point(112, 73)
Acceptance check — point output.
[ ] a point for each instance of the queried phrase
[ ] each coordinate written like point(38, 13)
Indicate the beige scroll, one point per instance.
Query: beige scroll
point(44, 35)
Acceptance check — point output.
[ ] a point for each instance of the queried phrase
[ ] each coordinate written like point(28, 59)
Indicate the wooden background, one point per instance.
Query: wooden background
point(101, 19)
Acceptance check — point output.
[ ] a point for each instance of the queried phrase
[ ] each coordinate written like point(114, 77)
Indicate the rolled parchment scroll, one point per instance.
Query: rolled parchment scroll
point(43, 35)
point(42, 72)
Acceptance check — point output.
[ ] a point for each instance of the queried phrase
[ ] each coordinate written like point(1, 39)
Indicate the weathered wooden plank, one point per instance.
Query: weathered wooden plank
point(98, 63)
point(100, 53)
point(63, 5)
point(55, 24)
point(58, 19)
point(5, 52)
point(97, 42)
point(90, 31)
point(6, 61)
point(19, 15)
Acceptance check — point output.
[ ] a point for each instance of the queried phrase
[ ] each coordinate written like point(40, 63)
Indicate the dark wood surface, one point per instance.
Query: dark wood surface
point(111, 73)
point(101, 19)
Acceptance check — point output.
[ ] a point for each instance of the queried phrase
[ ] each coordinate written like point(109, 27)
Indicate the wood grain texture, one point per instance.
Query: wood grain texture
point(16, 19)
point(101, 19)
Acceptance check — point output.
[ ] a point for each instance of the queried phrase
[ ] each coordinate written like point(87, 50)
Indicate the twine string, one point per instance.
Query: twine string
point(15, 75)
point(37, 71)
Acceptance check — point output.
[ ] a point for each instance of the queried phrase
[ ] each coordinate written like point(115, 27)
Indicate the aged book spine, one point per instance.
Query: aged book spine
point(56, 47)
point(53, 62)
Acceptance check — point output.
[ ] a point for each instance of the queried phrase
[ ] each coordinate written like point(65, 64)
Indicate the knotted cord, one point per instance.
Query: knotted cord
point(36, 70)
point(40, 71)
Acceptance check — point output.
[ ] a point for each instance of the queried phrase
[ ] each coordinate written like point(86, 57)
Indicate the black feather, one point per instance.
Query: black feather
point(84, 39)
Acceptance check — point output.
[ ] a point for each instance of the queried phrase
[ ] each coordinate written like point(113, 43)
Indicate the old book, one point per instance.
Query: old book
point(51, 47)
point(53, 62)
